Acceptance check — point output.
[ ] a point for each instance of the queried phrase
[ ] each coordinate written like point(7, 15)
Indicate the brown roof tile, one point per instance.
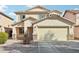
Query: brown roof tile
point(54, 16)
point(27, 11)
point(73, 11)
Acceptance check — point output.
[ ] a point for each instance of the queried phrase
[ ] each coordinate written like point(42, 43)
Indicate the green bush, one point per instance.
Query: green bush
point(3, 37)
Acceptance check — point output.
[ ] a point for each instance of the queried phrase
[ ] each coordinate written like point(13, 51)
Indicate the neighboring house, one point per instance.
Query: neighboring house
point(6, 24)
point(40, 24)
point(73, 16)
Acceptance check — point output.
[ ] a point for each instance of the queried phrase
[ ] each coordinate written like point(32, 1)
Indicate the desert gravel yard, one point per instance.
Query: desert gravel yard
point(15, 46)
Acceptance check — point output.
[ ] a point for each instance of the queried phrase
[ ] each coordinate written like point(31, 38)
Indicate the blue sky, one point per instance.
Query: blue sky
point(10, 9)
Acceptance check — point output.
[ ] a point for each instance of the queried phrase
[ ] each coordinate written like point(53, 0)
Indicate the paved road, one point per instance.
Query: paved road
point(41, 47)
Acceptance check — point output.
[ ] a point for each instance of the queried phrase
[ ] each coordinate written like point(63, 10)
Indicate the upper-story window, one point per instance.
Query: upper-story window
point(50, 15)
point(41, 16)
point(22, 16)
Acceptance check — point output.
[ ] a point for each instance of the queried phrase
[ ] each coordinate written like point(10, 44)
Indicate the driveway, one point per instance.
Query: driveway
point(15, 46)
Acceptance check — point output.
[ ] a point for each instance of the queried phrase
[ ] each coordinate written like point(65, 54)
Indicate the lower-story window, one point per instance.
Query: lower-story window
point(21, 30)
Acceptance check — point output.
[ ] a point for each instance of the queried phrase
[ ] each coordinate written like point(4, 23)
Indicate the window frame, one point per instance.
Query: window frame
point(41, 16)
point(22, 16)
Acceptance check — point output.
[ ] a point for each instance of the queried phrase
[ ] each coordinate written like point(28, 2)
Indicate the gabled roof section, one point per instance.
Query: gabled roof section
point(29, 18)
point(6, 16)
point(37, 9)
point(72, 11)
point(56, 11)
point(55, 17)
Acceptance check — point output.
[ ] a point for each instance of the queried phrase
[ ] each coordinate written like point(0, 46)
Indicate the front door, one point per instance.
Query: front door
point(30, 31)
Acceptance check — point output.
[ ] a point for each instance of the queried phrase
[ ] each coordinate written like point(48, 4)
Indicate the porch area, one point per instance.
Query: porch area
point(20, 34)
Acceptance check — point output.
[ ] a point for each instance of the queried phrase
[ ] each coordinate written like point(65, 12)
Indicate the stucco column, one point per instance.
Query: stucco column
point(35, 33)
point(71, 35)
point(25, 27)
point(2, 29)
point(14, 33)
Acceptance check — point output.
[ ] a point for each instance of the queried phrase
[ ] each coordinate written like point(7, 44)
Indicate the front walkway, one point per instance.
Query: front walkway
point(16, 46)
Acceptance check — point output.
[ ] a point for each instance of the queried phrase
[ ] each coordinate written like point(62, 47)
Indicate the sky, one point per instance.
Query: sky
point(11, 9)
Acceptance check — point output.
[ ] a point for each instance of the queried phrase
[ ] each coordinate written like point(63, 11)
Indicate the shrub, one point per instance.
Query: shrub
point(3, 37)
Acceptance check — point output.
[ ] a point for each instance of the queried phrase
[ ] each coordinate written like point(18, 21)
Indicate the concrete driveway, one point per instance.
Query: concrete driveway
point(15, 46)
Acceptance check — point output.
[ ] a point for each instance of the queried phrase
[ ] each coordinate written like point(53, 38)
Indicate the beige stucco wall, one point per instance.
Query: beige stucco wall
point(36, 16)
point(17, 18)
point(5, 22)
point(26, 15)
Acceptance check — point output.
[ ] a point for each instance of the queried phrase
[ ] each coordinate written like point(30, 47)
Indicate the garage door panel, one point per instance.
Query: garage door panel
point(52, 33)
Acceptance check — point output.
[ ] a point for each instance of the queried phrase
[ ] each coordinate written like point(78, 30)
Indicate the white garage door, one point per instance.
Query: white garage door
point(52, 33)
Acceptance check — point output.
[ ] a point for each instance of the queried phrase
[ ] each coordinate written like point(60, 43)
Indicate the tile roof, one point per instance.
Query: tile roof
point(27, 11)
point(24, 20)
point(54, 17)
point(73, 11)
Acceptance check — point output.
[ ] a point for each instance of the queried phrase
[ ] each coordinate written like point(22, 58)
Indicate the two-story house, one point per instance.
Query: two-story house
point(73, 16)
point(6, 24)
point(41, 24)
